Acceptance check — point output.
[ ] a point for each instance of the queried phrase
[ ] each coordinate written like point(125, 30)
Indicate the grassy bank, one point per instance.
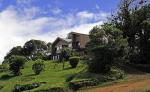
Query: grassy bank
point(53, 77)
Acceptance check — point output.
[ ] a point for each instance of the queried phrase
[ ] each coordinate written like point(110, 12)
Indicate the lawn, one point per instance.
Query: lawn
point(53, 77)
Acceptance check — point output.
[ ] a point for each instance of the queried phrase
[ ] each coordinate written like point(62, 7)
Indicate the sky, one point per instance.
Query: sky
point(22, 20)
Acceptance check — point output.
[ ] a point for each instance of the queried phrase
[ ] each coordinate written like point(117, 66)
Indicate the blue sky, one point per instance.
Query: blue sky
point(65, 5)
point(22, 20)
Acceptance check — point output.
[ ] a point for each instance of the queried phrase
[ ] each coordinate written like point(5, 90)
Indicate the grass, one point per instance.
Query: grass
point(53, 77)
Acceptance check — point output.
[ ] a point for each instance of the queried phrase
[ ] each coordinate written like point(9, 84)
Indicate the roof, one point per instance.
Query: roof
point(77, 33)
point(64, 39)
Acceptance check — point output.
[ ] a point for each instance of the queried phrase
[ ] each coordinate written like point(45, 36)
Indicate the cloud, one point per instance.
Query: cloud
point(18, 27)
point(56, 10)
point(93, 16)
point(85, 14)
point(30, 12)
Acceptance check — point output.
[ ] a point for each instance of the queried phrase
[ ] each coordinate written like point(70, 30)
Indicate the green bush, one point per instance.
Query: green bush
point(16, 63)
point(74, 61)
point(76, 85)
point(115, 74)
point(20, 88)
point(106, 47)
point(38, 67)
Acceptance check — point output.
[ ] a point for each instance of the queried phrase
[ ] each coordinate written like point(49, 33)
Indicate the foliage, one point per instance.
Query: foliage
point(14, 51)
point(106, 47)
point(16, 63)
point(84, 57)
point(4, 67)
point(64, 55)
point(53, 77)
point(34, 49)
point(38, 67)
point(76, 85)
point(20, 88)
point(133, 19)
point(74, 61)
point(115, 74)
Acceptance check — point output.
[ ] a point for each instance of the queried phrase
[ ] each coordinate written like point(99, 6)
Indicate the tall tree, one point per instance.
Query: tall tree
point(35, 49)
point(14, 51)
point(105, 48)
point(16, 63)
point(129, 19)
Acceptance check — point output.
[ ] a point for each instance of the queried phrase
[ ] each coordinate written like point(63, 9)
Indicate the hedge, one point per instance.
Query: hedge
point(74, 61)
point(20, 88)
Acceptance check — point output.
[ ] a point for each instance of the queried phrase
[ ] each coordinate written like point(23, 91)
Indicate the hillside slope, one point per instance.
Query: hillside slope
point(53, 77)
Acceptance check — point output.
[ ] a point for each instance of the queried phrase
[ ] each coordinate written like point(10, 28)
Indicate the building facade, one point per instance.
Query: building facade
point(75, 41)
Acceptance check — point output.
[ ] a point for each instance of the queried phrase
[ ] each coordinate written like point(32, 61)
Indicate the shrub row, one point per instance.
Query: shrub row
point(20, 88)
point(54, 89)
point(83, 84)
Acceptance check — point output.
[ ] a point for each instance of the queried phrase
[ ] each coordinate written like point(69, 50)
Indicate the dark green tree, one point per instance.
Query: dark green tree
point(64, 55)
point(106, 48)
point(38, 66)
point(14, 51)
point(130, 19)
point(16, 63)
point(35, 49)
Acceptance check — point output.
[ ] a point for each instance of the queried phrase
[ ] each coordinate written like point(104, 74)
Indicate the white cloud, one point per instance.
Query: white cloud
point(16, 28)
point(101, 15)
point(85, 14)
point(30, 12)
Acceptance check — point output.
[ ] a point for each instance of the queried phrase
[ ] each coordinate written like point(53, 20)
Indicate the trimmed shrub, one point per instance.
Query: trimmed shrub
point(74, 61)
point(16, 63)
point(76, 85)
point(115, 74)
point(20, 88)
point(38, 67)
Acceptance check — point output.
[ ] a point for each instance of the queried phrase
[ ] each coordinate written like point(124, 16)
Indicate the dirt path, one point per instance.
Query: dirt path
point(136, 82)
